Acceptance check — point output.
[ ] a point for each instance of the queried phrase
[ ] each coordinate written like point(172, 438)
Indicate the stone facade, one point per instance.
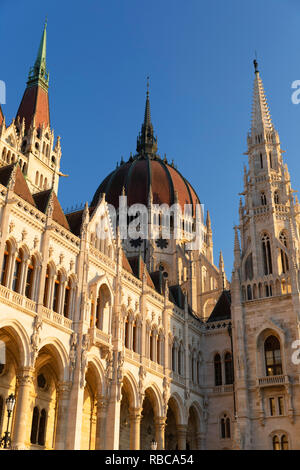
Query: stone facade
point(101, 356)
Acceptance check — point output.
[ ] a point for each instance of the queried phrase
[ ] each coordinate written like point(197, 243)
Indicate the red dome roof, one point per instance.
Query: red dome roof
point(136, 176)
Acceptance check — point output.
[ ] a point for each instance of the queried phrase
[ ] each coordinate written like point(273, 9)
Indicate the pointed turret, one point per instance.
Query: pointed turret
point(237, 250)
point(146, 142)
point(35, 103)
point(261, 118)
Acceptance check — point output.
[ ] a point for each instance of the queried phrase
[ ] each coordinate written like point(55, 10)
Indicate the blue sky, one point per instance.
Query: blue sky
point(199, 57)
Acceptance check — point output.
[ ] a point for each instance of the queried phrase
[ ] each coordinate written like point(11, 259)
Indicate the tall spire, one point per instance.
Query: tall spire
point(261, 118)
point(146, 142)
point(34, 107)
point(38, 73)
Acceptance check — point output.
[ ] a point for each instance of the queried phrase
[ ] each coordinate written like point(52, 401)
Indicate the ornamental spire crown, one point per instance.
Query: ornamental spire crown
point(261, 118)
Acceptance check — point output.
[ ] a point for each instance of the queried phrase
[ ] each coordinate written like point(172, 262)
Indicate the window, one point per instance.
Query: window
point(280, 442)
point(47, 287)
point(29, 279)
point(280, 406)
point(284, 443)
point(276, 197)
point(267, 259)
point(228, 369)
point(4, 272)
point(67, 299)
point(263, 199)
point(17, 272)
point(276, 443)
point(218, 370)
point(284, 256)
point(57, 284)
point(261, 160)
point(225, 427)
point(173, 357)
point(270, 160)
point(38, 427)
point(272, 406)
point(273, 356)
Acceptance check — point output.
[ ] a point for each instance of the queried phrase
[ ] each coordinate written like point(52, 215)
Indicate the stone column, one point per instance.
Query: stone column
point(181, 436)
point(63, 397)
point(20, 435)
point(160, 423)
point(101, 422)
point(135, 424)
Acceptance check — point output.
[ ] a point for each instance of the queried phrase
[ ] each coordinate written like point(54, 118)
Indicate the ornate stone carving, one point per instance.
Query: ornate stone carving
point(35, 338)
point(84, 360)
point(73, 354)
point(166, 394)
point(142, 376)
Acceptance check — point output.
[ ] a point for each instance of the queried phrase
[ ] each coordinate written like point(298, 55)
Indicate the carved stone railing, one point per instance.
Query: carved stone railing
point(223, 388)
point(178, 378)
point(16, 299)
point(56, 318)
point(99, 337)
point(272, 380)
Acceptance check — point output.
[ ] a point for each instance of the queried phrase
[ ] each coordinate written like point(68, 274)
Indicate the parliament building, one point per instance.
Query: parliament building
point(126, 343)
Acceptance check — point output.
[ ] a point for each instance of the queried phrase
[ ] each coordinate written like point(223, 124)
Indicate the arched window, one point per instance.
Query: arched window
point(17, 272)
point(56, 291)
point(5, 265)
point(267, 258)
point(276, 443)
point(151, 346)
point(134, 338)
point(34, 425)
point(228, 369)
point(284, 256)
point(225, 427)
point(37, 178)
point(218, 370)
point(263, 198)
point(249, 293)
point(47, 287)
point(273, 356)
point(42, 428)
point(173, 357)
point(179, 361)
point(103, 309)
point(284, 442)
point(270, 160)
point(276, 197)
point(38, 427)
point(29, 279)
point(67, 300)
point(126, 333)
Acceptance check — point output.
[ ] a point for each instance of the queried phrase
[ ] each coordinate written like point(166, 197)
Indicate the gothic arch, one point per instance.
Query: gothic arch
point(19, 334)
point(155, 397)
point(266, 331)
point(175, 402)
point(58, 351)
point(96, 366)
point(130, 385)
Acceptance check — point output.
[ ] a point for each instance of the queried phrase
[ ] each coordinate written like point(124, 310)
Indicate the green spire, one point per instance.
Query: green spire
point(38, 74)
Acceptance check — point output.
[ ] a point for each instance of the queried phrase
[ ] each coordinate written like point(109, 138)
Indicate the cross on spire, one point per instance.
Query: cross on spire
point(146, 142)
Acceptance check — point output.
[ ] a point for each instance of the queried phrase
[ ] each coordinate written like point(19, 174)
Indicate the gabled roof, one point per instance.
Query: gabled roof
point(42, 200)
point(20, 186)
point(137, 265)
point(176, 296)
point(222, 310)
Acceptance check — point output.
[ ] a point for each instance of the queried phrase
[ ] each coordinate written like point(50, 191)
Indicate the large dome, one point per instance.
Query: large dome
point(136, 176)
point(145, 173)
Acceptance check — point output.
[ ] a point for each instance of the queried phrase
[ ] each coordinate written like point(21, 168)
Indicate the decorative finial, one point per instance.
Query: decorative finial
point(255, 65)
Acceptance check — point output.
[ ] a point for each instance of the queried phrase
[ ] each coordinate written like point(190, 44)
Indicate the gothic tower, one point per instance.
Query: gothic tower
point(265, 291)
point(41, 155)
